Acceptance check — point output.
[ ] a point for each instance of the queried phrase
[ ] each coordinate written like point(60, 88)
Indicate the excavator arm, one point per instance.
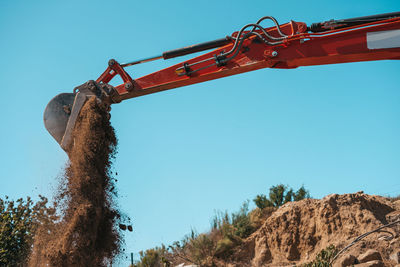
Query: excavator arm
point(285, 46)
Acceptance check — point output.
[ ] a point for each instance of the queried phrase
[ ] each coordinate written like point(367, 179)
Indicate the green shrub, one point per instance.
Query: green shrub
point(201, 249)
point(194, 249)
point(154, 257)
point(18, 222)
point(324, 257)
point(300, 194)
point(241, 221)
point(224, 247)
point(279, 195)
point(220, 219)
point(235, 226)
point(262, 201)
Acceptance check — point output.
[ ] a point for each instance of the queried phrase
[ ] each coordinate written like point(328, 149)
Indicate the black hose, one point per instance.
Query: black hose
point(344, 23)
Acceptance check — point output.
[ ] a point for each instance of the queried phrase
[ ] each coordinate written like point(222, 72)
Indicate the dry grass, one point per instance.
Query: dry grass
point(393, 199)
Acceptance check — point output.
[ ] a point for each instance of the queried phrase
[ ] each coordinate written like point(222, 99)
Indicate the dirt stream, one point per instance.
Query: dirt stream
point(87, 234)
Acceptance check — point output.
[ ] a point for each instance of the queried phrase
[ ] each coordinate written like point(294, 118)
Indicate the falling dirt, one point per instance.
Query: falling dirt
point(88, 232)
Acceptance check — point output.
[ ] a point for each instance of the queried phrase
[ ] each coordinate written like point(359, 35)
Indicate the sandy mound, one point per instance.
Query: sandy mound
point(296, 232)
point(87, 235)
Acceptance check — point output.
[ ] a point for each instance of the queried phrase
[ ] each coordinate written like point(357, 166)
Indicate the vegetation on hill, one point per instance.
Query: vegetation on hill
point(228, 231)
point(279, 195)
point(395, 198)
point(323, 258)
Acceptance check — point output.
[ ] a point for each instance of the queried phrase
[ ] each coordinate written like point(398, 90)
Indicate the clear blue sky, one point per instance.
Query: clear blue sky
point(187, 152)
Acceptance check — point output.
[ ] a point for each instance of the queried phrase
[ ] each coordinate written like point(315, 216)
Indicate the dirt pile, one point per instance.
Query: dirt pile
point(296, 232)
point(87, 234)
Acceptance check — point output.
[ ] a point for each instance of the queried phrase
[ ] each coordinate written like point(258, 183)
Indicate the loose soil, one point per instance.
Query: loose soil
point(88, 232)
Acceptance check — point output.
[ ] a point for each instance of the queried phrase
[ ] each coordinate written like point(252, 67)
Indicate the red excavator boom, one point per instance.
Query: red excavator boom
point(285, 46)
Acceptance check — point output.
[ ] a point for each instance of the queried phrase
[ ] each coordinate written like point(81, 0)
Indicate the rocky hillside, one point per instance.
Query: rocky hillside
point(297, 231)
point(307, 233)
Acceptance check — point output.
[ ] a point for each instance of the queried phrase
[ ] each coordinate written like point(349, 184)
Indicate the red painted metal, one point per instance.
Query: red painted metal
point(299, 49)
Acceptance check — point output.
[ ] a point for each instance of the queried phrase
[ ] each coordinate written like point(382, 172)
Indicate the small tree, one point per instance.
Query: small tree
point(241, 221)
point(154, 257)
point(279, 195)
point(18, 222)
point(300, 194)
point(289, 196)
point(262, 201)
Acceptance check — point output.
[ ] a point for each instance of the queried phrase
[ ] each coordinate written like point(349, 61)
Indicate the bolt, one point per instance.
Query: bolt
point(111, 62)
point(91, 85)
point(274, 53)
point(128, 86)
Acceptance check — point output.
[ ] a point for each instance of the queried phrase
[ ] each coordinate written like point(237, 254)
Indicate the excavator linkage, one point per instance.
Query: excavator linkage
point(283, 46)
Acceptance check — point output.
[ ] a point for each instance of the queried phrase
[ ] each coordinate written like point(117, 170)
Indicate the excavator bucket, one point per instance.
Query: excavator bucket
point(60, 116)
point(63, 110)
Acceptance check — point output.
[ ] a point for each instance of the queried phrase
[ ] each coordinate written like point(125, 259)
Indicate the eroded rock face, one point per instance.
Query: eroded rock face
point(395, 256)
point(374, 263)
point(346, 260)
point(297, 231)
point(370, 255)
point(262, 253)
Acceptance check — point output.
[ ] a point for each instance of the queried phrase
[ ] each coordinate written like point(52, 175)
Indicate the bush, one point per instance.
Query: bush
point(192, 249)
point(324, 257)
point(18, 222)
point(300, 194)
point(241, 221)
point(224, 247)
point(154, 257)
point(220, 219)
point(258, 216)
point(235, 226)
point(262, 202)
point(202, 249)
point(279, 195)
